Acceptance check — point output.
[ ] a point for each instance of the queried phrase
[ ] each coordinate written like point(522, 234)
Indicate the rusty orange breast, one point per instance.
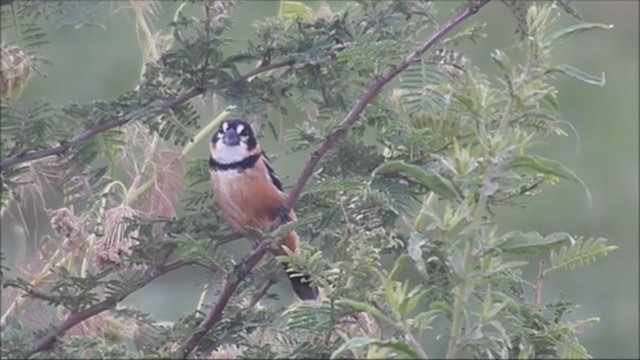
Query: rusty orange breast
point(246, 198)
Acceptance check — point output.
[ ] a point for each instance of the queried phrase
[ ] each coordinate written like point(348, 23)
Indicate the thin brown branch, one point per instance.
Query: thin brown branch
point(102, 126)
point(231, 282)
point(261, 293)
point(227, 238)
point(31, 291)
point(75, 318)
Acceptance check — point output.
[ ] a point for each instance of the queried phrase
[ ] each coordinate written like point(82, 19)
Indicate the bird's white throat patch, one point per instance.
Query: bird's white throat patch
point(230, 154)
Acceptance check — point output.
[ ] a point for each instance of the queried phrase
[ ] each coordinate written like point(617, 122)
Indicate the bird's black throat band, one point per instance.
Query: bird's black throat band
point(243, 164)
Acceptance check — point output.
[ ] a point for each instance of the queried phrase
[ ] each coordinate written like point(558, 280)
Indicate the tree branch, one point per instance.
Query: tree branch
point(101, 127)
point(231, 283)
point(261, 293)
point(75, 318)
point(31, 291)
point(371, 91)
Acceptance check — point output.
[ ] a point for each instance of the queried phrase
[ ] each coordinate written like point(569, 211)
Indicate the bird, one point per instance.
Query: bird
point(249, 193)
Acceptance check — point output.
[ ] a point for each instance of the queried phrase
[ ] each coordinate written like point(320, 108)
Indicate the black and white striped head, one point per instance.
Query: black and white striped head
point(233, 142)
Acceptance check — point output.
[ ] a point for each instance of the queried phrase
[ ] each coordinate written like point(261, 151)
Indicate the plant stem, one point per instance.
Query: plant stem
point(203, 294)
point(422, 215)
point(205, 132)
point(414, 343)
point(136, 193)
point(464, 288)
point(459, 304)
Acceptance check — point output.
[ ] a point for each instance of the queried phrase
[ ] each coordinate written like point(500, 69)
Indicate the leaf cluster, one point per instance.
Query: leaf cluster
point(399, 223)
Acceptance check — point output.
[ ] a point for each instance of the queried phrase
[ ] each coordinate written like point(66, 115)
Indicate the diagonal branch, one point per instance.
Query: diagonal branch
point(255, 299)
point(372, 90)
point(121, 120)
point(231, 282)
point(75, 318)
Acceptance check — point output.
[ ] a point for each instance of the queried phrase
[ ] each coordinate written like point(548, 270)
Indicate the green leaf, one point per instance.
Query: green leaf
point(570, 348)
point(399, 345)
point(420, 93)
point(578, 74)
point(429, 178)
point(412, 302)
point(401, 261)
point(359, 342)
point(307, 317)
point(517, 242)
point(423, 319)
point(570, 31)
point(395, 195)
point(503, 61)
point(370, 309)
point(351, 344)
point(552, 100)
point(580, 253)
point(290, 10)
point(416, 240)
point(547, 167)
point(467, 102)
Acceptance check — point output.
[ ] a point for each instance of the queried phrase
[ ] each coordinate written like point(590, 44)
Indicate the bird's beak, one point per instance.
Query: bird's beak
point(231, 138)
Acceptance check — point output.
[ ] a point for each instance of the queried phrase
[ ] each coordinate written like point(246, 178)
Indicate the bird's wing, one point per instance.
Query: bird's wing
point(272, 173)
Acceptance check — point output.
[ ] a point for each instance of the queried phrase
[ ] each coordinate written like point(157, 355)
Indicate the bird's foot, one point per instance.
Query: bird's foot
point(283, 214)
point(241, 272)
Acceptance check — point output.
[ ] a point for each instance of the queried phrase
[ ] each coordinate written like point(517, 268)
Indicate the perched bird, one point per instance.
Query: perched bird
point(249, 193)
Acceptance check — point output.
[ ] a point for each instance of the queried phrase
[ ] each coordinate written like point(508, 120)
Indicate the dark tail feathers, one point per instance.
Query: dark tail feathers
point(302, 286)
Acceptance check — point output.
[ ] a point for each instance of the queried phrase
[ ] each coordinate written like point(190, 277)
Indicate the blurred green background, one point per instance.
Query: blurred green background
point(94, 63)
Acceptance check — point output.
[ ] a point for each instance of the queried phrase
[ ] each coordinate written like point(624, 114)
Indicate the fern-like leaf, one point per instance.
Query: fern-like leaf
point(581, 252)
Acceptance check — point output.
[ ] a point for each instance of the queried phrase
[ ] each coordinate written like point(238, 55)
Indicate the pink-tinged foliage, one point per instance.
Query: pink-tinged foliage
point(168, 187)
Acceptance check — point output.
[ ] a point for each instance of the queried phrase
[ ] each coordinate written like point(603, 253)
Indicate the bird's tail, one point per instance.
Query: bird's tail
point(302, 285)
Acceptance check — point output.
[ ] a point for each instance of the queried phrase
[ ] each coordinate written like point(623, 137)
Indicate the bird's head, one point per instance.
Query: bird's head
point(234, 141)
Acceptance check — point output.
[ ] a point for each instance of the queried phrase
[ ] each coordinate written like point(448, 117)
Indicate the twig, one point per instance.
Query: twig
point(75, 318)
point(225, 239)
point(261, 293)
point(34, 293)
point(231, 283)
point(121, 120)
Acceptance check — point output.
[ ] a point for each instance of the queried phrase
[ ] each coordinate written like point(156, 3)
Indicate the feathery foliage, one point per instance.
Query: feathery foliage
point(413, 184)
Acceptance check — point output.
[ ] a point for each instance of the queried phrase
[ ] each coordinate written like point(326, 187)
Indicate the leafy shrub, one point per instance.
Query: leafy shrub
point(451, 145)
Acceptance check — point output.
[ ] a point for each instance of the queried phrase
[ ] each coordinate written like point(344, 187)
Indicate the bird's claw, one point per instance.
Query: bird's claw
point(241, 272)
point(283, 213)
